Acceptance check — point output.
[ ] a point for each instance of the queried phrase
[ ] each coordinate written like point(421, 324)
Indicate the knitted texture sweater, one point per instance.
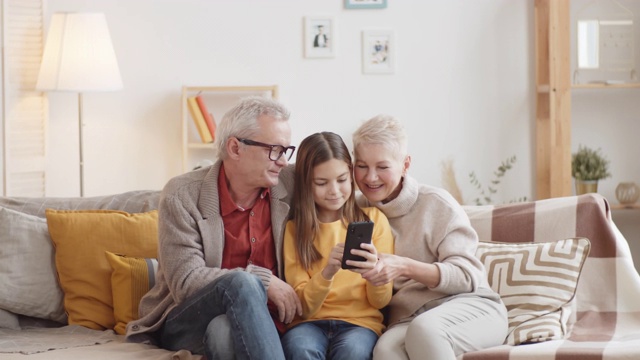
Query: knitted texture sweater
point(191, 243)
point(347, 297)
point(430, 226)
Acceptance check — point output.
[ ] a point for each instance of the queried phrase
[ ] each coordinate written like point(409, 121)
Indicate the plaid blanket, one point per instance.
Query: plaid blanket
point(606, 320)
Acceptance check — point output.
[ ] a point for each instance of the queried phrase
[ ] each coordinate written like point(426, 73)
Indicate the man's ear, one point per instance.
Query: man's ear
point(406, 164)
point(232, 146)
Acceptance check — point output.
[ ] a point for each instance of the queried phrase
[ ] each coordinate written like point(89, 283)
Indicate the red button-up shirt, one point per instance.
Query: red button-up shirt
point(247, 232)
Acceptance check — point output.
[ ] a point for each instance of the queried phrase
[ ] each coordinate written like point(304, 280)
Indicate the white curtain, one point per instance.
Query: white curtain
point(24, 110)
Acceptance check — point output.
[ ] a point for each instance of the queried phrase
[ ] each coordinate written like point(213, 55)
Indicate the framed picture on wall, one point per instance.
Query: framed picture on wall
point(365, 4)
point(378, 51)
point(319, 37)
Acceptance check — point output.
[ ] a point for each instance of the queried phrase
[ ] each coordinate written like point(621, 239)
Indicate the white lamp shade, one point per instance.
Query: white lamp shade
point(79, 55)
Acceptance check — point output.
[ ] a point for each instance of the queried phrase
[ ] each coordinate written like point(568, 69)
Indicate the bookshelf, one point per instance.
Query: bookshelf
point(219, 99)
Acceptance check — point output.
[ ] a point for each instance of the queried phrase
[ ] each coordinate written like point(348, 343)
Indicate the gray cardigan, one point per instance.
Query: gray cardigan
point(191, 242)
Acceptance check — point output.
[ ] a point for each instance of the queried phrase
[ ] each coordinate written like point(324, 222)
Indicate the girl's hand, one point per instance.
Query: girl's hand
point(368, 252)
point(335, 262)
point(386, 270)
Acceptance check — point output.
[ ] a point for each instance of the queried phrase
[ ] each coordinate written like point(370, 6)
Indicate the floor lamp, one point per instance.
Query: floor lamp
point(79, 57)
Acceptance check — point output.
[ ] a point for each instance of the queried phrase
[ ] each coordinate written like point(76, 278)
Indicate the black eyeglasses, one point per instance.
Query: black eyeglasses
point(275, 151)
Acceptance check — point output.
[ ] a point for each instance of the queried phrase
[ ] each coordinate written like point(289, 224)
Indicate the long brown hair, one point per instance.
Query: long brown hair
point(315, 150)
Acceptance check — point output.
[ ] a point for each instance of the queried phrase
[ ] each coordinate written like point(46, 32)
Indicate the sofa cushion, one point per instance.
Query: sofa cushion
point(9, 320)
point(537, 282)
point(81, 239)
point(131, 278)
point(29, 285)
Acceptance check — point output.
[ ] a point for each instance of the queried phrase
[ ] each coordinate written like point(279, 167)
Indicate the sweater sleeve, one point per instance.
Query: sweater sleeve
point(380, 296)
point(181, 249)
point(460, 270)
point(312, 290)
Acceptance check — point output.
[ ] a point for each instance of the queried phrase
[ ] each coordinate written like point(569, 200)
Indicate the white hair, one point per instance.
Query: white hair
point(382, 130)
point(242, 120)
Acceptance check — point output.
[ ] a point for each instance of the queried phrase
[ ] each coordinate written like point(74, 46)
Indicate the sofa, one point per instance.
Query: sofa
point(73, 270)
point(39, 326)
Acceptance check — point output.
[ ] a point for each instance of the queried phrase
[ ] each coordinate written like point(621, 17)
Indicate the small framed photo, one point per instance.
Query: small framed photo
point(365, 4)
point(319, 37)
point(378, 51)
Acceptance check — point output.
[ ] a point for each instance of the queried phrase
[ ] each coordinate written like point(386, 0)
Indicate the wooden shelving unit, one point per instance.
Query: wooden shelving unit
point(553, 95)
point(626, 206)
point(553, 98)
point(219, 100)
point(606, 86)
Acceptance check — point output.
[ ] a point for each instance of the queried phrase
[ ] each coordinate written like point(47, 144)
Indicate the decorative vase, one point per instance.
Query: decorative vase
point(627, 193)
point(586, 186)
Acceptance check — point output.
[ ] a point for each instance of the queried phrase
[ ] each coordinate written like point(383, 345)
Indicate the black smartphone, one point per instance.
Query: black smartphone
point(357, 233)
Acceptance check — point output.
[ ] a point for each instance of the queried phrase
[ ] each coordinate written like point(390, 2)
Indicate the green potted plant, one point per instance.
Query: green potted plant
point(588, 166)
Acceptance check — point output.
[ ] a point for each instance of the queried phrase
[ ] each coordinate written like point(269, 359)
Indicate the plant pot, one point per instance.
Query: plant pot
point(627, 193)
point(586, 186)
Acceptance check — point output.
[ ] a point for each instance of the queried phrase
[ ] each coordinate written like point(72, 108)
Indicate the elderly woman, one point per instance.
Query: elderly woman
point(442, 304)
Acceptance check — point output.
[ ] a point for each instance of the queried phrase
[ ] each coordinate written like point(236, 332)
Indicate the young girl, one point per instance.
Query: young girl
point(341, 316)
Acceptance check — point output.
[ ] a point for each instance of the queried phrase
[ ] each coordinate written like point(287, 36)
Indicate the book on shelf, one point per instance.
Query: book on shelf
point(198, 119)
point(208, 117)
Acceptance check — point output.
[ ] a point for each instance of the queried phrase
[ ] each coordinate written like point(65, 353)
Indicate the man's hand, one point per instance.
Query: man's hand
point(285, 298)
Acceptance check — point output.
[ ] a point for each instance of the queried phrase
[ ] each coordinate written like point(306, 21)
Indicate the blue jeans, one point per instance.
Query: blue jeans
point(242, 298)
point(329, 339)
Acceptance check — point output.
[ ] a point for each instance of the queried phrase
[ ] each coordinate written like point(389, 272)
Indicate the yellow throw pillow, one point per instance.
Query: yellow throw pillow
point(132, 277)
point(81, 238)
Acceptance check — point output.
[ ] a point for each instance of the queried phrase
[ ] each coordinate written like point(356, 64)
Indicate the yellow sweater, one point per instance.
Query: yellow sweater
point(348, 297)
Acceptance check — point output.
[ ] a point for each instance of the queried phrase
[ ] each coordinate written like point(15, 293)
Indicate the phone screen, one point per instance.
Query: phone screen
point(357, 233)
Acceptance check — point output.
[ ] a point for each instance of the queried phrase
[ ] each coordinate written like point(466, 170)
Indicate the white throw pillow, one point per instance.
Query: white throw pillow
point(29, 285)
point(537, 282)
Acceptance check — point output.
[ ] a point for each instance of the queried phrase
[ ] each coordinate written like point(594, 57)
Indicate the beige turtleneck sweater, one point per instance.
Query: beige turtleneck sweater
point(430, 226)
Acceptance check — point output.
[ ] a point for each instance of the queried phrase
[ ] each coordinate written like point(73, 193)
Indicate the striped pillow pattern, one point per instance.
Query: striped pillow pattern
point(131, 279)
point(537, 283)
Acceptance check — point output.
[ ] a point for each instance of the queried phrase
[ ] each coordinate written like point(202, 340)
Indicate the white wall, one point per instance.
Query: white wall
point(463, 84)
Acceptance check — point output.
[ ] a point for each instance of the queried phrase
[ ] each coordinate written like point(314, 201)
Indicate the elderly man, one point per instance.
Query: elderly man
point(220, 240)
